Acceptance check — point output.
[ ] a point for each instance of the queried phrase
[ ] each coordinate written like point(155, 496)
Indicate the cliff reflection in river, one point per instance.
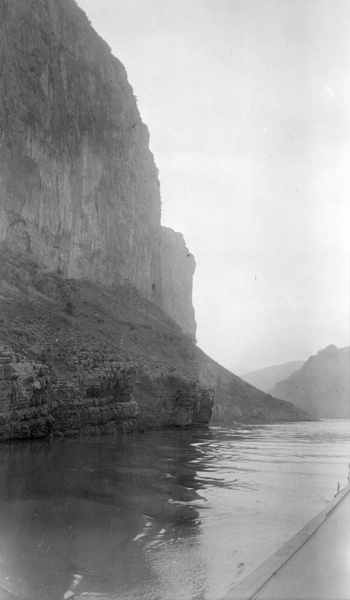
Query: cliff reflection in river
point(84, 507)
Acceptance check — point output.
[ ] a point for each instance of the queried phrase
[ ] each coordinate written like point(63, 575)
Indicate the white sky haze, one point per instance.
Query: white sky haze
point(248, 107)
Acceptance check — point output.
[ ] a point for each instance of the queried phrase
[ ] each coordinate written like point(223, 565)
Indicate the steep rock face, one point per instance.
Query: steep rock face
point(321, 386)
point(93, 393)
point(36, 402)
point(172, 401)
point(79, 189)
point(178, 266)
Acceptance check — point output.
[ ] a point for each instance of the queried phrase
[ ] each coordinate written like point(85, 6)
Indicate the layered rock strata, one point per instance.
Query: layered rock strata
point(36, 402)
point(91, 393)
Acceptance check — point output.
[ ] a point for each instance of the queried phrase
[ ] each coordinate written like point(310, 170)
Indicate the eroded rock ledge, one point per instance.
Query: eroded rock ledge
point(93, 393)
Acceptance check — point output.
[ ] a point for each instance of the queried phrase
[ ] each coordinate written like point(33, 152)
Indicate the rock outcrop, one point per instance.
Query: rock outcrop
point(35, 402)
point(321, 386)
point(92, 393)
point(76, 358)
point(79, 189)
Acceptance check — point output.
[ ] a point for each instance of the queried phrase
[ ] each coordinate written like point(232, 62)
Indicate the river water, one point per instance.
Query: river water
point(163, 515)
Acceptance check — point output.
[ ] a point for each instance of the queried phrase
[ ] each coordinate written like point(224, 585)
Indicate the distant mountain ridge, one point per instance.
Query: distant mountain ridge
point(321, 386)
point(265, 379)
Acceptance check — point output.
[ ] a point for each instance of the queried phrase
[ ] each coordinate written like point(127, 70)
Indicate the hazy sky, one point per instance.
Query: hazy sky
point(248, 107)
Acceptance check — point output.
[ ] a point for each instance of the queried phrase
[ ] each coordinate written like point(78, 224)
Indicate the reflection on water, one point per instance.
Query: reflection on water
point(161, 515)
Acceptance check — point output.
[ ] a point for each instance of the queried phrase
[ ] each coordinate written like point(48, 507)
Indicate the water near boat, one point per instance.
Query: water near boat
point(171, 515)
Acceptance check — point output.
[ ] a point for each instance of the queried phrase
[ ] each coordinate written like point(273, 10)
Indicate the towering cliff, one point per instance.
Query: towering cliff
point(79, 187)
point(97, 326)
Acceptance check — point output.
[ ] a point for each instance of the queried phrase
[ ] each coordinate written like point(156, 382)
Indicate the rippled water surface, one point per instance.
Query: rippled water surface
point(168, 515)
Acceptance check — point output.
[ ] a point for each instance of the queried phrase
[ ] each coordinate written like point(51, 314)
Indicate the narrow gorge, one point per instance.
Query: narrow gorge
point(97, 326)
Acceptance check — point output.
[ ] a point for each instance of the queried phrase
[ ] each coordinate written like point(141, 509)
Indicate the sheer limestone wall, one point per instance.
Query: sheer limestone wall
point(79, 188)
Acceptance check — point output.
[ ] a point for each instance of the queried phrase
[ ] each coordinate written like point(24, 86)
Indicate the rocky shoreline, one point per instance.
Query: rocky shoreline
point(101, 395)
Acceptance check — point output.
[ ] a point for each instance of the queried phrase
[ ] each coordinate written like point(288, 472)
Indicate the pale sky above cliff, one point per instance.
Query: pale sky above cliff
point(247, 103)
